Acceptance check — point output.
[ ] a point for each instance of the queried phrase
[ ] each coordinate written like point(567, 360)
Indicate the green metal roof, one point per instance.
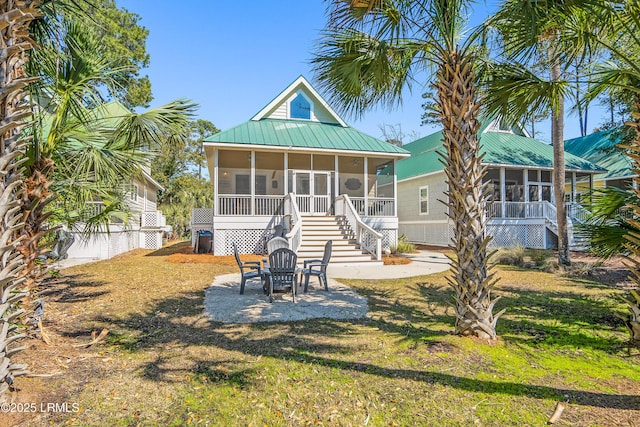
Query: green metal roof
point(499, 148)
point(303, 134)
point(599, 147)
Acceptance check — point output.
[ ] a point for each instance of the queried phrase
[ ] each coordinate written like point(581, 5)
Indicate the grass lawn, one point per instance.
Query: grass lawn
point(164, 363)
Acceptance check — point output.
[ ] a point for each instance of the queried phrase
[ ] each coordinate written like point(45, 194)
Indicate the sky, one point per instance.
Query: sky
point(233, 58)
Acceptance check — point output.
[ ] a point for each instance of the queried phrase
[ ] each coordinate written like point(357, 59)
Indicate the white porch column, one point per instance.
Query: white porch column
point(525, 181)
point(574, 178)
point(253, 182)
point(216, 208)
point(336, 184)
point(285, 186)
point(503, 192)
point(365, 167)
point(395, 189)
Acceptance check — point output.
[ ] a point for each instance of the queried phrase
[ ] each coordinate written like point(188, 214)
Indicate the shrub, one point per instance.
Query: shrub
point(509, 256)
point(404, 246)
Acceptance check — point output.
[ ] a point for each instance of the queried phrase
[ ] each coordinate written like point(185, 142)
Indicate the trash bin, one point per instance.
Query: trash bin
point(205, 237)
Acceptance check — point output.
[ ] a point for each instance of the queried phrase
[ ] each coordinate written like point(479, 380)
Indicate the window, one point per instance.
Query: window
point(300, 108)
point(424, 200)
point(133, 192)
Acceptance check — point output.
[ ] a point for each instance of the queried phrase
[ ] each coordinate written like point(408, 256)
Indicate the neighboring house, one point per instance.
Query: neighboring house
point(519, 181)
point(145, 227)
point(296, 163)
point(600, 148)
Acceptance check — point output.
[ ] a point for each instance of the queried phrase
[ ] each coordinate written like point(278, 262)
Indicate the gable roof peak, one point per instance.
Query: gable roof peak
point(301, 83)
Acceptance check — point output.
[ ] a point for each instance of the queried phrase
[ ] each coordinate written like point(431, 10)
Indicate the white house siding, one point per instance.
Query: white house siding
point(322, 115)
point(122, 237)
point(433, 228)
point(280, 112)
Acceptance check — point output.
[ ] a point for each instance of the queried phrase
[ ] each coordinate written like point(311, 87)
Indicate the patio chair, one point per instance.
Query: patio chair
point(277, 243)
point(282, 272)
point(318, 267)
point(252, 269)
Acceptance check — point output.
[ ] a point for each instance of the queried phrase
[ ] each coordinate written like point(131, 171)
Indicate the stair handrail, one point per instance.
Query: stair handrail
point(368, 238)
point(294, 237)
point(550, 213)
point(577, 212)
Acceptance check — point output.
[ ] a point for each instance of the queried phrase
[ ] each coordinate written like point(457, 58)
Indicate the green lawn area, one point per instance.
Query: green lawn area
point(164, 363)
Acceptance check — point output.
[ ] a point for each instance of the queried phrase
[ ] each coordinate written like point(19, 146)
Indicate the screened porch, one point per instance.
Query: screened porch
point(255, 183)
point(528, 193)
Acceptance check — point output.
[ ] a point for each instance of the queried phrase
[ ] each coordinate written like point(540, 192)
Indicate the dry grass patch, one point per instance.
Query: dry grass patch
point(165, 363)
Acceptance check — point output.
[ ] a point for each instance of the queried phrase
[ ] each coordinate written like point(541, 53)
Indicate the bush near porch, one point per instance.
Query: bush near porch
point(163, 362)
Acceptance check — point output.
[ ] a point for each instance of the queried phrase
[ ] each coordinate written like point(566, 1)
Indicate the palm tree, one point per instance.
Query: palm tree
point(14, 113)
point(370, 52)
point(76, 151)
point(531, 32)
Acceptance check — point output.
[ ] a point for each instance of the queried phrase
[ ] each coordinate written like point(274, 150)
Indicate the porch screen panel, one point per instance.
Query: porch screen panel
point(515, 185)
point(323, 163)
point(351, 180)
point(234, 182)
point(300, 161)
point(269, 185)
point(380, 189)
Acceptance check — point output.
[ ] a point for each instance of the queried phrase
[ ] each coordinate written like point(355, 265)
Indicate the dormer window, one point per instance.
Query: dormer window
point(300, 107)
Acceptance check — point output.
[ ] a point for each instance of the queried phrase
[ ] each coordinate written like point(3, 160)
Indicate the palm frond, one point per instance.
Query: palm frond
point(513, 91)
point(609, 223)
point(147, 130)
point(360, 71)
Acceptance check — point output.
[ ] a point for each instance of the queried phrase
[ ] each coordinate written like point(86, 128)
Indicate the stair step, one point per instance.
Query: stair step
point(327, 233)
point(320, 248)
point(340, 260)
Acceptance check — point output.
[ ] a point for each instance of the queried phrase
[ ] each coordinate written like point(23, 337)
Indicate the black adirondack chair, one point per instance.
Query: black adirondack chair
point(282, 272)
point(248, 269)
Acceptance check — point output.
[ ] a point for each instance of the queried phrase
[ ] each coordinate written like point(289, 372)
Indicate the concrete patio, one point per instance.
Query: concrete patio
point(223, 302)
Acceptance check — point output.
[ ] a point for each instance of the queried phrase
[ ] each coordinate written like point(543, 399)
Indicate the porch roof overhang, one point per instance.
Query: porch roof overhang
point(302, 136)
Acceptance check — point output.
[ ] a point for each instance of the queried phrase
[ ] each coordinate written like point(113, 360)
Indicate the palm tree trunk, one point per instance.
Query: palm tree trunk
point(633, 320)
point(14, 113)
point(557, 140)
point(35, 199)
point(471, 279)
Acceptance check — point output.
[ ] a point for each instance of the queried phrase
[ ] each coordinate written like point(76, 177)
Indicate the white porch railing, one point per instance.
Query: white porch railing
point(516, 210)
point(269, 205)
point(291, 210)
point(376, 206)
point(369, 239)
point(234, 204)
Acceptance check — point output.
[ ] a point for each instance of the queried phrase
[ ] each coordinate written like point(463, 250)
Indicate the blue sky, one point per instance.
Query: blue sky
point(233, 58)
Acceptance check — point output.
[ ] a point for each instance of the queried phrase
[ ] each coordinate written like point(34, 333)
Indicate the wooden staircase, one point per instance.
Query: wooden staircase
point(317, 230)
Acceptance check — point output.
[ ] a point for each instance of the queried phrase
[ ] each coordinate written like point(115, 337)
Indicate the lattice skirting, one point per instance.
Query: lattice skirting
point(249, 241)
point(504, 235)
point(526, 235)
point(389, 237)
point(151, 239)
point(433, 234)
